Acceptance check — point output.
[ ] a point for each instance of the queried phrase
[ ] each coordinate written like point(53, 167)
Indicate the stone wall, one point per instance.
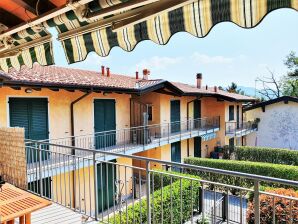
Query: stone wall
point(13, 156)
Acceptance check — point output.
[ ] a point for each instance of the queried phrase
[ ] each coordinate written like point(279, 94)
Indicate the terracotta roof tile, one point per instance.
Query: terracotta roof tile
point(77, 78)
point(190, 89)
point(59, 76)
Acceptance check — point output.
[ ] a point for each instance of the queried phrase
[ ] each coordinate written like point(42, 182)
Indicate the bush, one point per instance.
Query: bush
point(264, 169)
point(162, 197)
point(267, 155)
point(282, 207)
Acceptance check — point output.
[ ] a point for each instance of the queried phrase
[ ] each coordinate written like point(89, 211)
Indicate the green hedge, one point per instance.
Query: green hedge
point(267, 155)
point(190, 194)
point(258, 168)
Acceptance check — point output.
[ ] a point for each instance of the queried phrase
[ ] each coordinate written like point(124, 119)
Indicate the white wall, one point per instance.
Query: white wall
point(278, 127)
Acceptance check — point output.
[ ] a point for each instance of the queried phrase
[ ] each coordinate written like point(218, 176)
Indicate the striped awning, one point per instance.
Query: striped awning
point(80, 36)
point(196, 18)
point(27, 47)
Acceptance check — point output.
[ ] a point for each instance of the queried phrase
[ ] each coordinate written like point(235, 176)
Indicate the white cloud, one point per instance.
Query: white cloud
point(206, 59)
point(158, 63)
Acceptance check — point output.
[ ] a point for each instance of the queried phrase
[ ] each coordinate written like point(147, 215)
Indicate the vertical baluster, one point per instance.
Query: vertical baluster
point(148, 192)
point(257, 201)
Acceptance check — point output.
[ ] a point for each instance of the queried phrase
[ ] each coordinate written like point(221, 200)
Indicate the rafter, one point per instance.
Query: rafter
point(26, 6)
point(8, 19)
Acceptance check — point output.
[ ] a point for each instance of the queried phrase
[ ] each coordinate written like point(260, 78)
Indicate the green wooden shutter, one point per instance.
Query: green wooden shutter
point(18, 114)
point(106, 176)
point(197, 147)
point(231, 113)
point(104, 120)
point(175, 116)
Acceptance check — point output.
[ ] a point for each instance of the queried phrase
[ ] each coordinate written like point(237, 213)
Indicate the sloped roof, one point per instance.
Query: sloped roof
point(59, 77)
point(193, 90)
point(46, 76)
point(273, 101)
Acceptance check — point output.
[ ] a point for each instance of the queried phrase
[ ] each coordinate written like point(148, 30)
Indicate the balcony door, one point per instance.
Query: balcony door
point(197, 124)
point(104, 121)
point(198, 147)
point(106, 177)
point(32, 115)
point(238, 117)
point(176, 154)
point(175, 116)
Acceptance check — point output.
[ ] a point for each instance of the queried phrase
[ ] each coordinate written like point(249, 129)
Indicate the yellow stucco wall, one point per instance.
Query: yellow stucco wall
point(59, 110)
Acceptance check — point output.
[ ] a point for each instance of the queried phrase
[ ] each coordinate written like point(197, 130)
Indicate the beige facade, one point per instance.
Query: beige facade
point(59, 110)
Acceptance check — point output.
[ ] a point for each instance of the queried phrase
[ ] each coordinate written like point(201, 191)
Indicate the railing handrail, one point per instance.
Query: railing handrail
point(130, 128)
point(182, 165)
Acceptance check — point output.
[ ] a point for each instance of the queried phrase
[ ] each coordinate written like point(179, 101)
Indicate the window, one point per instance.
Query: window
point(150, 109)
point(231, 113)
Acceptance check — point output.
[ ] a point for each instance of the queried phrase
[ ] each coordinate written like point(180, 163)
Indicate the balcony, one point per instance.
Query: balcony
point(132, 194)
point(136, 139)
point(234, 129)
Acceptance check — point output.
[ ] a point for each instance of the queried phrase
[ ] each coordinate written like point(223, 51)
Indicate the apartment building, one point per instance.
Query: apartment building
point(117, 113)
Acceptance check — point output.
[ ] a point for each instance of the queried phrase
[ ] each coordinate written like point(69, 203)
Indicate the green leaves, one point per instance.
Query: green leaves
point(166, 203)
point(267, 155)
point(258, 168)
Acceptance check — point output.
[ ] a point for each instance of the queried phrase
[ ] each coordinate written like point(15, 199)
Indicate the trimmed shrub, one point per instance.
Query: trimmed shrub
point(264, 169)
point(282, 207)
point(267, 155)
point(138, 213)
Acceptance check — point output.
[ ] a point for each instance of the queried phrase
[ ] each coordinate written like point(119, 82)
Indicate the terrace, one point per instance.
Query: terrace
point(128, 193)
point(234, 129)
point(136, 139)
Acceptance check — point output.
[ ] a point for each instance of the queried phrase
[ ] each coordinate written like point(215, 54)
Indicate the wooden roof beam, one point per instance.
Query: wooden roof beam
point(26, 6)
point(8, 19)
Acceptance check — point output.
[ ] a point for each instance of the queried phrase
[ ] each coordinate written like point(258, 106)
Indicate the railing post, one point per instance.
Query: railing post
point(257, 201)
point(225, 208)
point(95, 186)
point(201, 200)
point(40, 169)
point(148, 192)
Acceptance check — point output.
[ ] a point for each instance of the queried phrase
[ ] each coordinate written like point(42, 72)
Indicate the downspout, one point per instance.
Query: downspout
point(72, 117)
point(73, 141)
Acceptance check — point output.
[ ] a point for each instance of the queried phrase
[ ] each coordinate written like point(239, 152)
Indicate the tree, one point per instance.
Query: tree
point(290, 81)
point(271, 86)
point(292, 63)
point(287, 85)
point(233, 88)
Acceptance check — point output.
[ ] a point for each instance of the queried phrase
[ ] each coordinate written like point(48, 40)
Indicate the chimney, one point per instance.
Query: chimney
point(206, 87)
point(137, 75)
point(108, 72)
point(102, 70)
point(215, 89)
point(199, 80)
point(146, 73)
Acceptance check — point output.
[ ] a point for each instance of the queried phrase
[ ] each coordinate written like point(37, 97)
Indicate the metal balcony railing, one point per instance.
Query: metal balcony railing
point(240, 129)
point(120, 192)
point(131, 140)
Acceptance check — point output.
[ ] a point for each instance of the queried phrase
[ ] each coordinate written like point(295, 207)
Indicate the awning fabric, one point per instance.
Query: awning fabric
point(196, 18)
point(41, 53)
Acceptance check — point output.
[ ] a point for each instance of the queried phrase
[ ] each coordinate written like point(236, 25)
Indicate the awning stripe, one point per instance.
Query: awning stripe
point(197, 18)
point(42, 54)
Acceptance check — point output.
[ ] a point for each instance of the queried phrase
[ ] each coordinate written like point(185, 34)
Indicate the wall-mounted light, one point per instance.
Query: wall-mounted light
point(28, 90)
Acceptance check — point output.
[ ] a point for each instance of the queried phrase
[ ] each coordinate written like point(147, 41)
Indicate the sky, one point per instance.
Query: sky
point(228, 54)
